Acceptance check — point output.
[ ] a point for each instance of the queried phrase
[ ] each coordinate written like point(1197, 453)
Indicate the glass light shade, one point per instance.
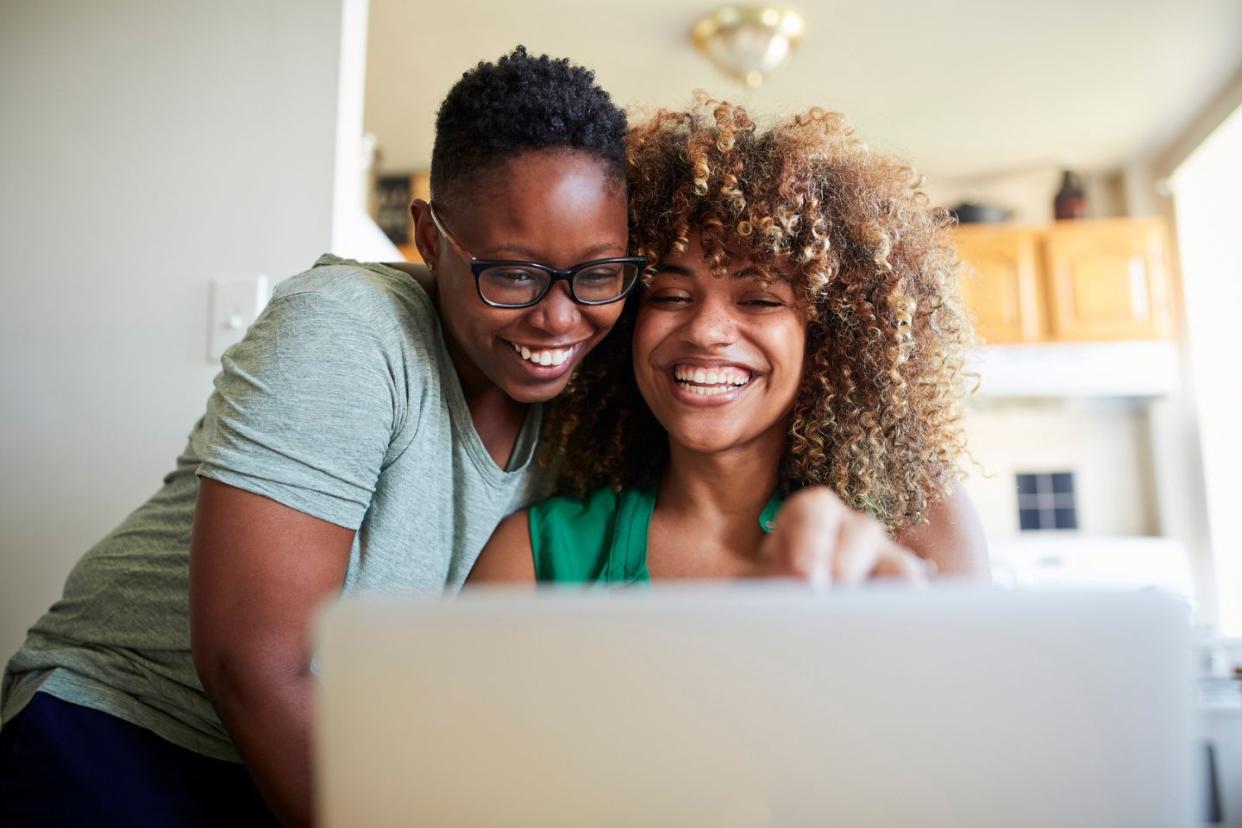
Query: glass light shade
point(748, 41)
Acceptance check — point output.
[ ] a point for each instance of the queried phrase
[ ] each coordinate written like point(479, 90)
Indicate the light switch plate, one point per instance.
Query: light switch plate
point(236, 301)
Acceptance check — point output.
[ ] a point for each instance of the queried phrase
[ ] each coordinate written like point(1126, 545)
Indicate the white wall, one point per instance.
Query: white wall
point(146, 146)
point(1179, 455)
point(1103, 441)
point(1206, 190)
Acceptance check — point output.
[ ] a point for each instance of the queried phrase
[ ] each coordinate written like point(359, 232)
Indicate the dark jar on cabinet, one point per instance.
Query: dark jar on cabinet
point(1071, 199)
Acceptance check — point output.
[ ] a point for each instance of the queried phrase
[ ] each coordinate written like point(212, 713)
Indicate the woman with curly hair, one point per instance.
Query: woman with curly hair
point(797, 347)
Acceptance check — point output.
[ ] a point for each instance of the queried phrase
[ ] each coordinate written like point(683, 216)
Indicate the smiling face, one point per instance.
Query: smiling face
point(554, 207)
point(718, 359)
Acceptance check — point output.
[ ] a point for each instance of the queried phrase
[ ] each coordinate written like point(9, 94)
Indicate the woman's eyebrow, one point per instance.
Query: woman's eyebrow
point(752, 272)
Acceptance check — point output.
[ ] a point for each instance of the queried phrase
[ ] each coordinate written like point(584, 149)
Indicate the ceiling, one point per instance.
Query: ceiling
point(962, 88)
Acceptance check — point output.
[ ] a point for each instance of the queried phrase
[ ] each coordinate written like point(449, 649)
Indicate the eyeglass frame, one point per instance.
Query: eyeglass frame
point(477, 266)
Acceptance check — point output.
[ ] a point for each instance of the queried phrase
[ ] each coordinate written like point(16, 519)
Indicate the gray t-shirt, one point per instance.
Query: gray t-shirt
point(342, 403)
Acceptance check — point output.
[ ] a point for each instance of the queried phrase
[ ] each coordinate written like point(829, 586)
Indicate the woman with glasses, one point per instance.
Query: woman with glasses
point(781, 396)
point(368, 433)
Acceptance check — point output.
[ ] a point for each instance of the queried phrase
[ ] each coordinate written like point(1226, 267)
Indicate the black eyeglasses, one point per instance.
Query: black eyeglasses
point(515, 284)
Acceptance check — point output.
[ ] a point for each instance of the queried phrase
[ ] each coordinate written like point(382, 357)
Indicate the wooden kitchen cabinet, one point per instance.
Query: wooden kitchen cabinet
point(1002, 284)
point(1073, 281)
point(1108, 279)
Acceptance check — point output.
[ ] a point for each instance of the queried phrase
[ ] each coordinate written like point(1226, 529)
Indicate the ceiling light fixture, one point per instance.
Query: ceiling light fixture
point(748, 41)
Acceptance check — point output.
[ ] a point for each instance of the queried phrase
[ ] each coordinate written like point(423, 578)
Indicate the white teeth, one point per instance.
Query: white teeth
point(552, 356)
point(716, 380)
point(706, 390)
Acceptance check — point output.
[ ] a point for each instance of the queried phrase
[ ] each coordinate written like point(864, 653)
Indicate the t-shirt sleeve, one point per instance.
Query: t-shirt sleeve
point(571, 539)
point(304, 410)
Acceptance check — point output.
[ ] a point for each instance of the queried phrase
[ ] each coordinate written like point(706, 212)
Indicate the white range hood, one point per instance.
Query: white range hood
point(1092, 369)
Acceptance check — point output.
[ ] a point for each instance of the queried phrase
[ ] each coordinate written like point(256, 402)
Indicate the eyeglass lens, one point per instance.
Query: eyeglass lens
point(517, 285)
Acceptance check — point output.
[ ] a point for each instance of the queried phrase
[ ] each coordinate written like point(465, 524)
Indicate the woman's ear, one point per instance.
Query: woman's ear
point(426, 236)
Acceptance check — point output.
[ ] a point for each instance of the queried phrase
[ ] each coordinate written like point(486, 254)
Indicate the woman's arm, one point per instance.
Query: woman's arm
point(507, 557)
point(952, 538)
point(258, 572)
point(305, 410)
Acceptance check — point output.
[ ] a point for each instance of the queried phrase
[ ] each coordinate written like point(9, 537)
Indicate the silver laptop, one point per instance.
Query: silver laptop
point(757, 705)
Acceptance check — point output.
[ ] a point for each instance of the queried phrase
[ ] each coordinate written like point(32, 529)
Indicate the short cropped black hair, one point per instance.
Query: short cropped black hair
point(518, 104)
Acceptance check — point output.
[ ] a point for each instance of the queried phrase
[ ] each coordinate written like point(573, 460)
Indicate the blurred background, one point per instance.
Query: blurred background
point(165, 163)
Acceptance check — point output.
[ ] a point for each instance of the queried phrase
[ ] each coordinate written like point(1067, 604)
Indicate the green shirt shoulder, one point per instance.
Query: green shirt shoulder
point(601, 538)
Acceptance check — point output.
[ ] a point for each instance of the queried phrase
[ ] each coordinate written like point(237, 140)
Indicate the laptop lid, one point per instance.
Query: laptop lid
point(756, 705)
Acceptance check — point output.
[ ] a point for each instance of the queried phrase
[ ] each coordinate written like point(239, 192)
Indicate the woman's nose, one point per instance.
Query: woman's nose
point(711, 325)
point(557, 313)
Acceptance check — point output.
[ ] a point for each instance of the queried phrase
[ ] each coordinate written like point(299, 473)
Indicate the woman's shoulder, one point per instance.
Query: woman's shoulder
point(386, 300)
point(582, 511)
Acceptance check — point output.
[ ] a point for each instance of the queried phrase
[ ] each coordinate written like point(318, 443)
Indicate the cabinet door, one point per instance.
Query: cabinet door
point(1000, 282)
point(1108, 279)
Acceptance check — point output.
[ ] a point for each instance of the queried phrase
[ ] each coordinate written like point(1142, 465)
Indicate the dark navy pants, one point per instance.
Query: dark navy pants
point(64, 764)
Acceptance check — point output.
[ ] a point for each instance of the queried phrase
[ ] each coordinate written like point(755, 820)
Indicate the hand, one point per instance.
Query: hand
point(821, 540)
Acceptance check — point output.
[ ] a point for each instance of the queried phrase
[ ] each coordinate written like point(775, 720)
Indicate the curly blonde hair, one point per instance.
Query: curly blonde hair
point(877, 416)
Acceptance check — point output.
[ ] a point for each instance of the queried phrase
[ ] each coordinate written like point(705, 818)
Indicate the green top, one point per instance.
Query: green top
point(601, 538)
